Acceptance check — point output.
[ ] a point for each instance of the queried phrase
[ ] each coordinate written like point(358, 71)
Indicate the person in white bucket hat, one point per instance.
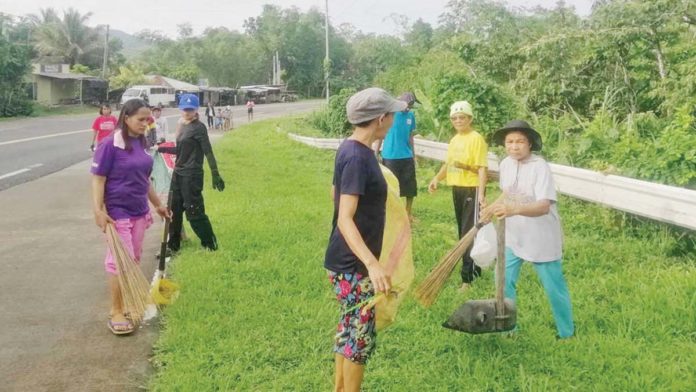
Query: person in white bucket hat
point(466, 172)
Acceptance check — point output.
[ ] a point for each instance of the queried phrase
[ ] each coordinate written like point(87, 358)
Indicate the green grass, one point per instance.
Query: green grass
point(41, 111)
point(44, 111)
point(259, 314)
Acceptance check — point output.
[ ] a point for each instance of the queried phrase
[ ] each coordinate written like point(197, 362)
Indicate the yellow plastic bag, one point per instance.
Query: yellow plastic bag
point(396, 256)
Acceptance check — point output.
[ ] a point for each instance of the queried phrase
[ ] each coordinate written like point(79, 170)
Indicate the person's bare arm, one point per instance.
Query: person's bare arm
point(441, 175)
point(483, 179)
point(101, 218)
point(161, 209)
point(346, 211)
point(503, 210)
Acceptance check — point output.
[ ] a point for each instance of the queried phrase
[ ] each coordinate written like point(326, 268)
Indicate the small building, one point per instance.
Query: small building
point(177, 85)
point(54, 84)
point(219, 96)
point(180, 87)
point(262, 93)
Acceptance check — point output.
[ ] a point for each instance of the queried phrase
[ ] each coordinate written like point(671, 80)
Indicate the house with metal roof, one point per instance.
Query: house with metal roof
point(54, 84)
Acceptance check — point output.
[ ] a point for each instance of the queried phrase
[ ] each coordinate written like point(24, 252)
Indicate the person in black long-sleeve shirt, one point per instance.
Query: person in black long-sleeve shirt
point(192, 144)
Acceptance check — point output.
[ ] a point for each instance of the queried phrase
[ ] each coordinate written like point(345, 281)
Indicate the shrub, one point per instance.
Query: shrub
point(14, 64)
point(332, 120)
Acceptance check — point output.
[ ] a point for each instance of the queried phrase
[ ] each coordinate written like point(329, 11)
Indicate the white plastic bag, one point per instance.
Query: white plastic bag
point(485, 249)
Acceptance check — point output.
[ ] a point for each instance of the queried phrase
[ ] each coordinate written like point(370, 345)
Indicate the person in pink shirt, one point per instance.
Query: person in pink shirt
point(103, 126)
point(250, 110)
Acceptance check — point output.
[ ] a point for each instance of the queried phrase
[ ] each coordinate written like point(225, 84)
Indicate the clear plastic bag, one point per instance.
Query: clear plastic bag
point(485, 249)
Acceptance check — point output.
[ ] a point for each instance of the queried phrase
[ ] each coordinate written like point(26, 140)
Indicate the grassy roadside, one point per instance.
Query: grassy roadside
point(45, 111)
point(259, 313)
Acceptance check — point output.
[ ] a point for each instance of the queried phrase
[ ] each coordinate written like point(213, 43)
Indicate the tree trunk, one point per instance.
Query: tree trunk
point(659, 56)
point(660, 61)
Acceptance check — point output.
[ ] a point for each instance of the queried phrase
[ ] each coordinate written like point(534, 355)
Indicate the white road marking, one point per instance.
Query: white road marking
point(14, 173)
point(20, 171)
point(28, 139)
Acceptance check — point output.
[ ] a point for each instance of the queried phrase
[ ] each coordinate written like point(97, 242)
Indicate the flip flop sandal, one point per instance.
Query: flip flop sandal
point(115, 331)
point(125, 314)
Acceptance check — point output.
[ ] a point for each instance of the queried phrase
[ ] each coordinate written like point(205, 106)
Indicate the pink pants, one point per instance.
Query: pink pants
point(132, 232)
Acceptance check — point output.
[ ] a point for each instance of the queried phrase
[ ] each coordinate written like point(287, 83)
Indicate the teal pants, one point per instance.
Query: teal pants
point(551, 276)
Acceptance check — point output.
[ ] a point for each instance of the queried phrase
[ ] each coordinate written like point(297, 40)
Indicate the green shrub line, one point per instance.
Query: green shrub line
point(259, 314)
point(640, 146)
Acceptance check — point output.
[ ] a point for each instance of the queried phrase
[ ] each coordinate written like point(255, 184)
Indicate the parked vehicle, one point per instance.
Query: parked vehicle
point(153, 95)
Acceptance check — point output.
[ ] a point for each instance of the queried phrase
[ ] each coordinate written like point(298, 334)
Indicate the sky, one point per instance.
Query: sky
point(369, 16)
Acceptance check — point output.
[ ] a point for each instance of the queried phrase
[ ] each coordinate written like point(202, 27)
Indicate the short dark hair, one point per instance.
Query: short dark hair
point(367, 123)
point(364, 124)
point(102, 107)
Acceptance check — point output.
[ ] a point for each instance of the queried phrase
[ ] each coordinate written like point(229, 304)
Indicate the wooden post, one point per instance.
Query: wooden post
point(500, 278)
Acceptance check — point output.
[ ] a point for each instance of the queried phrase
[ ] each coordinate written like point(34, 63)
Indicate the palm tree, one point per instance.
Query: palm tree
point(68, 39)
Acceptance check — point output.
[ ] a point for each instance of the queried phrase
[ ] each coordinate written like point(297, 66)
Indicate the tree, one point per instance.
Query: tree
point(420, 36)
point(185, 30)
point(68, 39)
point(299, 40)
point(374, 54)
point(127, 76)
point(230, 58)
point(14, 65)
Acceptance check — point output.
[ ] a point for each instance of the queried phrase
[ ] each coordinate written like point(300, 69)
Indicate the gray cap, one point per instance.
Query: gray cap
point(371, 103)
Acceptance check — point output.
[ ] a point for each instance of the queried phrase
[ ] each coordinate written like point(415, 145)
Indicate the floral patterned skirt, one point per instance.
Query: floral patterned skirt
point(356, 333)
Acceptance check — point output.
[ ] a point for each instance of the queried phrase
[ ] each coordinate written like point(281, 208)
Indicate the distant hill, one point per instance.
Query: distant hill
point(132, 45)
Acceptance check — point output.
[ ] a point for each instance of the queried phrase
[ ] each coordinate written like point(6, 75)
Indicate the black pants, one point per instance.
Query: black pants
point(187, 197)
point(464, 199)
point(210, 121)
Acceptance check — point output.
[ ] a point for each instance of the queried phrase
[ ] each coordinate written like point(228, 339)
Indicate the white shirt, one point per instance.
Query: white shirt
point(536, 239)
point(162, 128)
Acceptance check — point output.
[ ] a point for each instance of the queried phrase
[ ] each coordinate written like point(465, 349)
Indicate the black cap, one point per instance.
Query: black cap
point(521, 126)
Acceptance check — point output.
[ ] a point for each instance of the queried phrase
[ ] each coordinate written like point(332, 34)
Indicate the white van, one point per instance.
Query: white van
point(153, 95)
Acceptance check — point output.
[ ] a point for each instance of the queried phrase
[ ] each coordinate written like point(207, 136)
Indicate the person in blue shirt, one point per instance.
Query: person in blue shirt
point(397, 150)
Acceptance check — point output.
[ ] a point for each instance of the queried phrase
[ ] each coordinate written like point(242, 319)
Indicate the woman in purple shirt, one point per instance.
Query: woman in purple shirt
point(120, 192)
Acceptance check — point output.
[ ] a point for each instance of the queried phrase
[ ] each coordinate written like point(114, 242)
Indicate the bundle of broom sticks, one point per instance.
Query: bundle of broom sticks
point(135, 288)
point(428, 291)
point(431, 286)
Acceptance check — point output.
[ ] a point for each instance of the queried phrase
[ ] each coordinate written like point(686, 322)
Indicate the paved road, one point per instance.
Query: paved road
point(53, 295)
point(33, 148)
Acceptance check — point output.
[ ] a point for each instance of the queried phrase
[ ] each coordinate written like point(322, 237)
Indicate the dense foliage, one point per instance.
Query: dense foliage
point(14, 64)
point(614, 91)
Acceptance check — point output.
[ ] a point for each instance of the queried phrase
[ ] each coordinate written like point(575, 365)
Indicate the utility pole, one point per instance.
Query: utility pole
point(106, 52)
point(327, 60)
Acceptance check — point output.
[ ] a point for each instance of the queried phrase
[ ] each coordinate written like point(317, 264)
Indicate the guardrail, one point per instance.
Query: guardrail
point(662, 203)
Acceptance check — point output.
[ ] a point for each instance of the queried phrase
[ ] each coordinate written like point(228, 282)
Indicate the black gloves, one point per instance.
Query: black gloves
point(218, 183)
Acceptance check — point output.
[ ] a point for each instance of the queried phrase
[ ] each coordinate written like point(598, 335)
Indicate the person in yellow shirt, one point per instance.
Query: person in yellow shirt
point(466, 172)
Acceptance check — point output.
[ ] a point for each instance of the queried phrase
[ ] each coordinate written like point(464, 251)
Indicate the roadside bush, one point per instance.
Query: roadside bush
point(332, 120)
point(14, 64)
point(442, 78)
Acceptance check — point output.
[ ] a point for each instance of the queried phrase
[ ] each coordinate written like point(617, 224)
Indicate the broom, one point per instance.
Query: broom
point(431, 286)
point(135, 289)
